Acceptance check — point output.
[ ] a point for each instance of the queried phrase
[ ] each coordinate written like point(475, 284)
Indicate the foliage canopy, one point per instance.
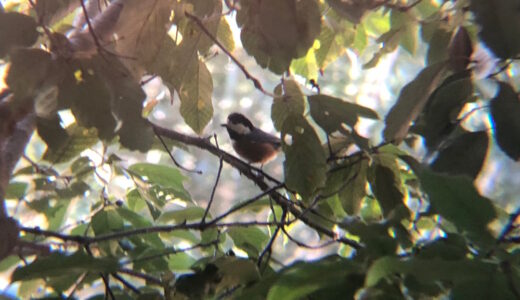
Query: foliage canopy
point(400, 223)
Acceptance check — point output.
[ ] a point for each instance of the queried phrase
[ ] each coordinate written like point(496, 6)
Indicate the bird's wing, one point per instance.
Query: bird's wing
point(259, 136)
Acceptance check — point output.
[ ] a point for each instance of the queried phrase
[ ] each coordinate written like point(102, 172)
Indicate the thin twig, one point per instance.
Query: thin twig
point(149, 279)
point(87, 240)
point(255, 81)
point(173, 158)
point(246, 203)
point(215, 185)
point(172, 251)
point(126, 283)
point(89, 24)
point(269, 247)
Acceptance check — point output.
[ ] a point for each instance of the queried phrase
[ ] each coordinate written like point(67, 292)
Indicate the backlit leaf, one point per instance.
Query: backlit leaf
point(289, 101)
point(277, 31)
point(251, 239)
point(161, 175)
point(411, 101)
point(457, 199)
point(440, 115)
point(505, 109)
point(463, 156)
point(430, 270)
point(330, 112)
point(498, 16)
point(181, 215)
point(58, 264)
point(305, 161)
point(195, 94)
point(385, 182)
point(16, 30)
point(303, 278)
point(106, 221)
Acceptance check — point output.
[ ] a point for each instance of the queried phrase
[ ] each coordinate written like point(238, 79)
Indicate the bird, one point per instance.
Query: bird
point(251, 143)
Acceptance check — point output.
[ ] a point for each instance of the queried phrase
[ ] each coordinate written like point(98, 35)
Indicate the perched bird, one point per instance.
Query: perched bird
point(251, 143)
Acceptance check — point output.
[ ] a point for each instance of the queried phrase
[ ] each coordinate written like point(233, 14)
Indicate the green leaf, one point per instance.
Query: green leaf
point(439, 117)
point(453, 247)
point(411, 101)
point(289, 101)
point(77, 188)
point(305, 162)
point(455, 159)
point(331, 113)
point(180, 69)
point(279, 31)
point(306, 66)
point(389, 42)
point(180, 262)
point(407, 25)
point(498, 17)
point(505, 109)
point(181, 215)
point(16, 190)
point(456, 199)
point(195, 94)
point(106, 221)
point(235, 271)
point(163, 176)
point(430, 270)
point(304, 278)
point(352, 195)
point(16, 30)
point(58, 264)
point(250, 239)
point(385, 182)
point(137, 220)
point(330, 48)
point(439, 41)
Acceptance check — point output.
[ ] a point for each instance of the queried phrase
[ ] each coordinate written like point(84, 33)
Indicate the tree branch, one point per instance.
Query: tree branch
point(247, 171)
point(248, 75)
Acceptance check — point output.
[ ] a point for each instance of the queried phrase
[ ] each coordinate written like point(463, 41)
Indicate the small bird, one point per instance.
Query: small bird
point(251, 143)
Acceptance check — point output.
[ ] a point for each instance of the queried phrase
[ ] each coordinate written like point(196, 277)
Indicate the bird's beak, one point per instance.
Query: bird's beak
point(223, 125)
